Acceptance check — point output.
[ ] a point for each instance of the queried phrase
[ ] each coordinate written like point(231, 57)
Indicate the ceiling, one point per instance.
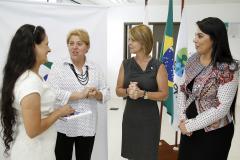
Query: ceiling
point(153, 2)
point(138, 2)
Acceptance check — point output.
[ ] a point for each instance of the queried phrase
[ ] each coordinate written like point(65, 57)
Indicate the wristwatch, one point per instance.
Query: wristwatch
point(145, 95)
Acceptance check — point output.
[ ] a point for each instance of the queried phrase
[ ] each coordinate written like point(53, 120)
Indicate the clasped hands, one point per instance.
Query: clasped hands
point(183, 129)
point(90, 92)
point(134, 91)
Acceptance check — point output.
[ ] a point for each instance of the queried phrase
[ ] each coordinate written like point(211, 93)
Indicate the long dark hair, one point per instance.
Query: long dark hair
point(21, 57)
point(221, 53)
point(217, 31)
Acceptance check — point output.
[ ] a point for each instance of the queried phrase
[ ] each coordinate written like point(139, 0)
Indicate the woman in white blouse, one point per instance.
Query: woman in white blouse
point(26, 102)
point(81, 84)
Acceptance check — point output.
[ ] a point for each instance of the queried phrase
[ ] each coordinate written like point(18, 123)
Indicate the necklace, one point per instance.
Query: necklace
point(82, 78)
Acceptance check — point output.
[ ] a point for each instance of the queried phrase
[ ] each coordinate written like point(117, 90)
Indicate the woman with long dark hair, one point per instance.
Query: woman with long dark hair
point(26, 102)
point(208, 94)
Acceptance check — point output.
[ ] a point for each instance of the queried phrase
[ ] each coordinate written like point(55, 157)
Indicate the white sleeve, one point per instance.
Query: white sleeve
point(182, 100)
point(54, 79)
point(28, 85)
point(226, 93)
point(102, 86)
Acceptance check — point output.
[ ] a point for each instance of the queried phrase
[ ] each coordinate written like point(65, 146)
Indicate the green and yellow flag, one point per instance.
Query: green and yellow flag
point(167, 56)
point(44, 70)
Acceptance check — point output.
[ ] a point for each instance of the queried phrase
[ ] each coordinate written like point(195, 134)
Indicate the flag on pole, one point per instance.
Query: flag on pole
point(167, 57)
point(146, 20)
point(44, 70)
point(181, 57)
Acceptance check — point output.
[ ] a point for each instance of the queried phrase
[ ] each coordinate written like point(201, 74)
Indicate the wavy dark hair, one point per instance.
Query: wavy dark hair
point(21, 57)
point(221, 53)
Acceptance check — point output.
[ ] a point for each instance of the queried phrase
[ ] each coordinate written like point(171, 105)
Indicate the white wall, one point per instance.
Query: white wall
point(118, 15)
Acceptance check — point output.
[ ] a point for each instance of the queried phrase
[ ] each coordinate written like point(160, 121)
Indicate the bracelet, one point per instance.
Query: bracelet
point(145, 95)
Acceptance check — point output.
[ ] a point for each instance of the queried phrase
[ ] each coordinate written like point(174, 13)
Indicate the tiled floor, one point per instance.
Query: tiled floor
point(167, 133)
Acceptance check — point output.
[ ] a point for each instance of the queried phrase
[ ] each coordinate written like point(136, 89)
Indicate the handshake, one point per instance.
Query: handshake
point(134, 92)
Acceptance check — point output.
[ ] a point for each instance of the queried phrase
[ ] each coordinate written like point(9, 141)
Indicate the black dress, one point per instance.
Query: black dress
point(141, 123)
point(201, 145)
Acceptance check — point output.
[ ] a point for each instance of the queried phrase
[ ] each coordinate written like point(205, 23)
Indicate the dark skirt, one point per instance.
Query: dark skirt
point(213, 145)
point(140, 130)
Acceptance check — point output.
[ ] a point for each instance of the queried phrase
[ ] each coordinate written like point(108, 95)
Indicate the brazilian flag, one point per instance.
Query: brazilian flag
point(167, 57)
point(44, 69)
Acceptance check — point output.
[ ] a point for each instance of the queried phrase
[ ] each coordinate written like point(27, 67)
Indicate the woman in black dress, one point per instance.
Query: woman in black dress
point(143, 80)
point(208, 95)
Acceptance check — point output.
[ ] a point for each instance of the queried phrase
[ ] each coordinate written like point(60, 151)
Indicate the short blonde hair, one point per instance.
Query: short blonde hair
point(142, 34)
point(81, 33)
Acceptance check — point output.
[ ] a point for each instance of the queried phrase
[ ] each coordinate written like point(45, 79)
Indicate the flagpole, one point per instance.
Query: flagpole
point(145, 21)
point(182, 5)
point(146, 2)
point(161, 111)
point(176, 133)
point(161, 108)
point(175, 148)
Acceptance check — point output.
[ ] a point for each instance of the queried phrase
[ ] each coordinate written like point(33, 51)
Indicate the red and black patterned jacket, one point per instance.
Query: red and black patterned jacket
point(213, 91)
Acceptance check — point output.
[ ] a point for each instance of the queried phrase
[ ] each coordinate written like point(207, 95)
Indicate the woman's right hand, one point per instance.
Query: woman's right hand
point(65, 110)
point(134, 91)
point(132, 87)
point(85, 92)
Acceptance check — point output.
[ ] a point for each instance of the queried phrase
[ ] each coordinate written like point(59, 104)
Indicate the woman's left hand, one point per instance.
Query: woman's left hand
point(137, 94)
point(183, 128)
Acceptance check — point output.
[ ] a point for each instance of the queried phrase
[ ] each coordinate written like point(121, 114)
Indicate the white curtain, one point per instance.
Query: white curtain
point(58, 20)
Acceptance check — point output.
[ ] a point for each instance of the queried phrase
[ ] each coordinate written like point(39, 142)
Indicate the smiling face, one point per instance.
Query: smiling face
point(42, 50)
point(203, 42)
point(77, 48)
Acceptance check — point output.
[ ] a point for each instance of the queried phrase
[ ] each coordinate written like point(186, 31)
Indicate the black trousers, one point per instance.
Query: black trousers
point(64, 147)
